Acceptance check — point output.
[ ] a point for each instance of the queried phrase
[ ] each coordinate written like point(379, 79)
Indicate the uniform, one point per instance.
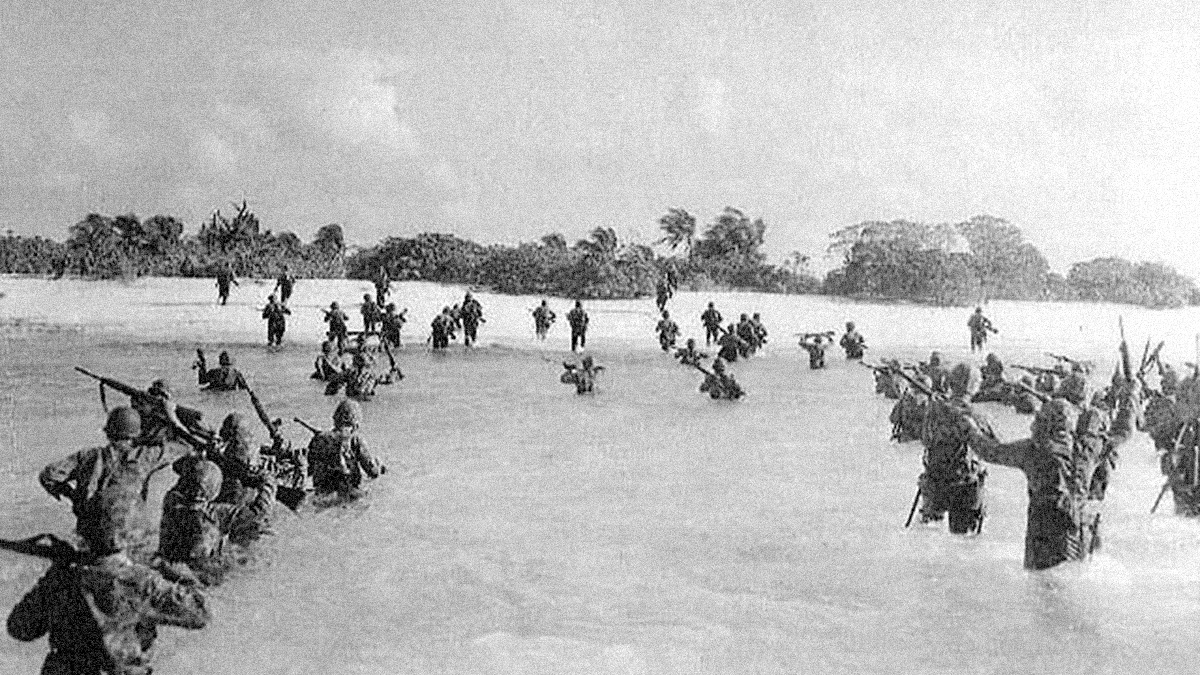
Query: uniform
point(579, 324)
point(275, 314)
point(711, 319)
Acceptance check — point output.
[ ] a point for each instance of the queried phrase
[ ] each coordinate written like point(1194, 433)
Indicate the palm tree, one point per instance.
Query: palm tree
point(602, 246)
point(680, 229)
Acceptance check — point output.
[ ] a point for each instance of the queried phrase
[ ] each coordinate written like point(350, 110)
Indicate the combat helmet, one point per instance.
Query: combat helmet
point(225, 359)
point(160, 388)
point(124, 423)
point(1054, 423)
point(347, 414)
point(202, 482)
point(1074, 388)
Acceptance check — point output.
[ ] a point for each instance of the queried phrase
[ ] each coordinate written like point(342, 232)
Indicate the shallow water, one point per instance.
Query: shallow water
point(647, 529)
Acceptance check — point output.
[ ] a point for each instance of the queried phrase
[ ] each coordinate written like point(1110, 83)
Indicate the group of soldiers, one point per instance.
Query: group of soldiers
point(102, 600)
point(1072, 450)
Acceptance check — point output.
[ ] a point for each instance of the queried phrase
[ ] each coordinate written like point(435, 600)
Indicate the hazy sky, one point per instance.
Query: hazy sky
point(502, 121)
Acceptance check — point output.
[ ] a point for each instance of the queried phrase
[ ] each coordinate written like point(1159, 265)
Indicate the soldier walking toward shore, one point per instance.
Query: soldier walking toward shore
point(339, 329)
point(225, 279)
point(979, 325)
point(579, 324)
point(284, 284)
point(853, 342)
point(668, 331)
point(276, 315)
point(382, 286)
point(543, 317)
point(711, 319)
point(471, 314)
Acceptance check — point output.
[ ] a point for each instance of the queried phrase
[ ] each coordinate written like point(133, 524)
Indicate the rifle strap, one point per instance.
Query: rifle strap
point(103, 398)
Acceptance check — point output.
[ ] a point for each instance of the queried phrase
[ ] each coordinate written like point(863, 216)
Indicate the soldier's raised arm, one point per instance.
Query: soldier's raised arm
point(56, 477)
point(990, 449)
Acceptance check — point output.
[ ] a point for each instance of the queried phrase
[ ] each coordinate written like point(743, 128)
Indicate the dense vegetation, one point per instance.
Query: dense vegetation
point(985, 258)
point(948, 264)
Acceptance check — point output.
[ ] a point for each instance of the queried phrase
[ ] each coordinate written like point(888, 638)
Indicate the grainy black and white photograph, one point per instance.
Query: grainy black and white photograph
point(599, 337)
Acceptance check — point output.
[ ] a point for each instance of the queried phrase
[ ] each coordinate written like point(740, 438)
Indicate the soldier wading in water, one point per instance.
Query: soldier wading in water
point(1066, 464)
point(953, 479)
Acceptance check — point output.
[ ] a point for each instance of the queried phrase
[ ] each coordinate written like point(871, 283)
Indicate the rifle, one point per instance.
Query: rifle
point(917, 384)
point(1174, 446)
point(271, 425)
point(1039, 395)
point(738, 392)
point(201, 363)
point(913, 509)
point(46, 545)
point(1152, 358)
point(1036, 370)
point(190, 417)
point(391, 359)
point(308, 426)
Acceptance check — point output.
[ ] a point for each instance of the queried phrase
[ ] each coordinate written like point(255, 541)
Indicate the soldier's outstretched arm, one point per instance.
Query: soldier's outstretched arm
point(369, 463)
point(56, 477)
point(990, 449)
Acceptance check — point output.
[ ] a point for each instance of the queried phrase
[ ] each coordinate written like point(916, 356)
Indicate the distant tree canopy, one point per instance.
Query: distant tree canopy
point(107, 247)
point(946, 264)
point(982, 258)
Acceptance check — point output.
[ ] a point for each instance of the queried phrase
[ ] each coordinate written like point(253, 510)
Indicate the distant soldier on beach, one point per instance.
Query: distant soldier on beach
point(225, 280)
point(222, 378)
point(339, 328)
point(579, 325)
point(582, 376)
point(284, 284)
point(662, 293)
point(711, 319)
point(979, 325)
point(471, 315)
point(383, 285)
point(689, 355)
point(853, 342)
point(760, 331)
point(275, 313)
point(668, 331)
point(543, 318)
point(719, 384)
point(339, 460)
point(370, 314)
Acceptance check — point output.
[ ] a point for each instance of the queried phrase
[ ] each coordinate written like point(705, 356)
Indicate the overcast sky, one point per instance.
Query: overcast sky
point(502, 121)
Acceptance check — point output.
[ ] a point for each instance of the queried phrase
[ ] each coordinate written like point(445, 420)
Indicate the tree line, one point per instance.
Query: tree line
point(947, 264)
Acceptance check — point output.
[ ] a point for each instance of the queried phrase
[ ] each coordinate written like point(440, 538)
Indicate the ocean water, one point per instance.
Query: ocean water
point(646, 529)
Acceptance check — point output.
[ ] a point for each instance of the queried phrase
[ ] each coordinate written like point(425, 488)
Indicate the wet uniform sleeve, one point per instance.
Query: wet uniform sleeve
point(990, 449)
point(174, 604)
point(369, 464)
point(55, 477)
point(30, 619)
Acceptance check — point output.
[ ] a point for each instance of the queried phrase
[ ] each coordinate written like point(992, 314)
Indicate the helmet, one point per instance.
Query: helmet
point(992, 358)
point(1074, 388)
point(963, 380)
point(160, 388)
point(935, 358)
point(201, 482)
point(718, 366)
point(225, 359)
point(710, 304)
point(347, 414)
point(588, 361)
point(391, 307)
point(1054, 422)
point(666, 314)
point(123, 424)
point(327, 347)
point(235, 428)
point(366, 297)
point(333, 305)
point(691, 342)
point(849, 325)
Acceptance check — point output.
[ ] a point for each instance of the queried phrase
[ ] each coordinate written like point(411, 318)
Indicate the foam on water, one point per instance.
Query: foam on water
point(522, 529)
